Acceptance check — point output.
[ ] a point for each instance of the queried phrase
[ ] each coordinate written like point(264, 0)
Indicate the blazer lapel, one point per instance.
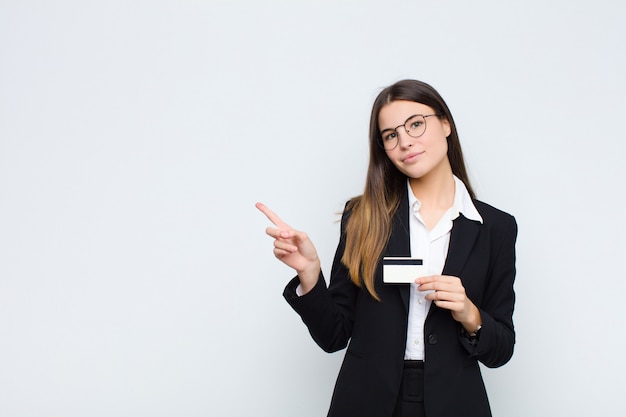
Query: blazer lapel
point(399, 242)
point(462, 238)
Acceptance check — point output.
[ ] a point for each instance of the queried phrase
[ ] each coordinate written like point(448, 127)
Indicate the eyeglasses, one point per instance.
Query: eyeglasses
point(415, 126)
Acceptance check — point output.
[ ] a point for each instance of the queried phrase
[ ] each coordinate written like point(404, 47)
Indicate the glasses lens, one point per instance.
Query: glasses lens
point(415, 126)
point(389, 139)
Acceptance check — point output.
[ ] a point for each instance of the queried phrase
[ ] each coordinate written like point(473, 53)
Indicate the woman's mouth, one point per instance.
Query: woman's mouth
point(412, 157)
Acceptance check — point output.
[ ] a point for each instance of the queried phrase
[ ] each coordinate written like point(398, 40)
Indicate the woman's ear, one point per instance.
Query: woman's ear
point(446, 126)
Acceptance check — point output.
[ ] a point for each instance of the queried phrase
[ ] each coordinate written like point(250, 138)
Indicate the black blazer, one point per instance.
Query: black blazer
point(483, 256)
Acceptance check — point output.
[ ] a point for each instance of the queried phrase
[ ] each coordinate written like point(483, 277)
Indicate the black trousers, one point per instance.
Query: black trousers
point(410, 401)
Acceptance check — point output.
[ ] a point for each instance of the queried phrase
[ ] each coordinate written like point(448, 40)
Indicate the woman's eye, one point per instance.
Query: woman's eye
point(415, 125)
point(389, 136)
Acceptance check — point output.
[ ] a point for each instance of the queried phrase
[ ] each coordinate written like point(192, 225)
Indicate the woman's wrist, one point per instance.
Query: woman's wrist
point(308, 278)
point(473, 322)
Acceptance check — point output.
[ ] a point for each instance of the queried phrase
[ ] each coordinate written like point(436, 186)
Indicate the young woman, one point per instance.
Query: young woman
point(413, 349)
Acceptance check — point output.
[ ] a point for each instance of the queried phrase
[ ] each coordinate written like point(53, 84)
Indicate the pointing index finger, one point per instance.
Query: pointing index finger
point(272, 216)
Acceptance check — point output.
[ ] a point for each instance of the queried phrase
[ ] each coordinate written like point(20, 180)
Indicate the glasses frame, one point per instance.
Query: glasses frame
point(381, 141)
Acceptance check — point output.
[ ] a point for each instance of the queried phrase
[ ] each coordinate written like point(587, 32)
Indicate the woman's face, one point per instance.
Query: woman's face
point(415, 157)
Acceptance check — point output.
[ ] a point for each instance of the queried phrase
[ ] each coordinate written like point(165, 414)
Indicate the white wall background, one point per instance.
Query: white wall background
point(136, 136)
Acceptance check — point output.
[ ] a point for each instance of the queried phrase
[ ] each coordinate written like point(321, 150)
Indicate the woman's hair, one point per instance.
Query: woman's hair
point(369, 225)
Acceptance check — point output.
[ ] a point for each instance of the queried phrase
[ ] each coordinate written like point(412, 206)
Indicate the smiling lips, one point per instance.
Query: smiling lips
point(412, 157)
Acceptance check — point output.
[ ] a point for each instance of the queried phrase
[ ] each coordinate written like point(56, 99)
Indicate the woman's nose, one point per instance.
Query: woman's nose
point(404, 139)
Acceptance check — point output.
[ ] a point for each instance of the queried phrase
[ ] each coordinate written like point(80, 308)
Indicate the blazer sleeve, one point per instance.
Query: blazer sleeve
point(495, 345)
point(328, 312)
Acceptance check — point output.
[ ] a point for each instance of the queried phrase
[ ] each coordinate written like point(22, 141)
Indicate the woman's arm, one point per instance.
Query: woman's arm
point(494, 346)
point(326, 311)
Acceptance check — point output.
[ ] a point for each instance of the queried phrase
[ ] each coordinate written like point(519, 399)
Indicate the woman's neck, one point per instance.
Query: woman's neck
point(434, 191)
point(436, 197)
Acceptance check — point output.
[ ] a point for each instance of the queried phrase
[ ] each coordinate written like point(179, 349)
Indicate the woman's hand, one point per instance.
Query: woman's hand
point(449, 293)
point(294, 248)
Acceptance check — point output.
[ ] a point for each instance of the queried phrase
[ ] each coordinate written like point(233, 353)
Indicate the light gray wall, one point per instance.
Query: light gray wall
point(136, 136)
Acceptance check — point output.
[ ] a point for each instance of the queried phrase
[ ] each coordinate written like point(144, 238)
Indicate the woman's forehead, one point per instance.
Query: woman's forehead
point(396, 112)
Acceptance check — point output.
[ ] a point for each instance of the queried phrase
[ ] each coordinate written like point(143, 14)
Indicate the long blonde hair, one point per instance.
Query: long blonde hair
point(370, 215)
